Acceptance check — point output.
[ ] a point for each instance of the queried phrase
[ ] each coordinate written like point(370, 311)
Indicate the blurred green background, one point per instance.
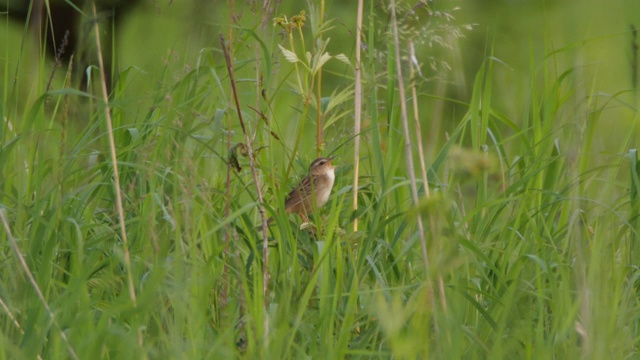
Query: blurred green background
point(593, 38)
point(166, 39)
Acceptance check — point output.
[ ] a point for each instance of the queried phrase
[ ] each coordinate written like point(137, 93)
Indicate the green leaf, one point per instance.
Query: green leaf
point(343, 58)
point(320, 63)
point(289, 55)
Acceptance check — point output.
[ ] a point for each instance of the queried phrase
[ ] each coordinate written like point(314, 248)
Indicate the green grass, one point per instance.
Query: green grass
point(531, 223)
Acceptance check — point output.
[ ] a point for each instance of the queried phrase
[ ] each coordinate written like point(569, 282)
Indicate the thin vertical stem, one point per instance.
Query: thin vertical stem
point(634, 58)
point(227, 194)
point(319, 116)
point(409, 156)
point(416, 119)
point(265, 240)
point(358, 112)
point(423, 167)
point(116, 175)
point(407, 134)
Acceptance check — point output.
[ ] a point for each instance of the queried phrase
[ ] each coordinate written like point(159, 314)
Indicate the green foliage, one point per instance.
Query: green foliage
point(531, 234)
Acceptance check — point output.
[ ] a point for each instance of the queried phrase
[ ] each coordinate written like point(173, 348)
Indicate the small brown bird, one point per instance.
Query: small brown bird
point(316, 186)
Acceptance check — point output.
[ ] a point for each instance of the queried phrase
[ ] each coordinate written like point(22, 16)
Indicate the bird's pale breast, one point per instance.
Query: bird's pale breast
point(327, 183)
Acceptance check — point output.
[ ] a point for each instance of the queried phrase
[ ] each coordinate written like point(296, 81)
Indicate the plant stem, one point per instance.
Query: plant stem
point(265, 243)
point(358, 112)
point(407, 136)
point(116, 175)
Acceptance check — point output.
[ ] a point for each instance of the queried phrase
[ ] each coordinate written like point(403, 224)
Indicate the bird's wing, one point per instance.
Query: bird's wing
point(299, 192)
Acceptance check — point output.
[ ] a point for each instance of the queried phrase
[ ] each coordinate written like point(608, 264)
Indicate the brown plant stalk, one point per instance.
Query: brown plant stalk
point(414, 97)
point(358, 112)
point(227, 204)
point(265, 243)
point(418, 129)
point(116, 175)
point(319, 114)
point(407, 134)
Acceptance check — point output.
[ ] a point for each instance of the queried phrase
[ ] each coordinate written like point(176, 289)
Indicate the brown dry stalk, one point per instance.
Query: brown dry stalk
point(320, 115)
point(227, 204)
point(416, 120)
point(407, 147)
point(265, 240)
point(407, 134)
point(116, 175)
point(358, 112)
point(414, 94)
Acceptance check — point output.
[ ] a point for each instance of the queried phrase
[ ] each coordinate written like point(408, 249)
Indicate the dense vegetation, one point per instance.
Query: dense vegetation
point(497, 211)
